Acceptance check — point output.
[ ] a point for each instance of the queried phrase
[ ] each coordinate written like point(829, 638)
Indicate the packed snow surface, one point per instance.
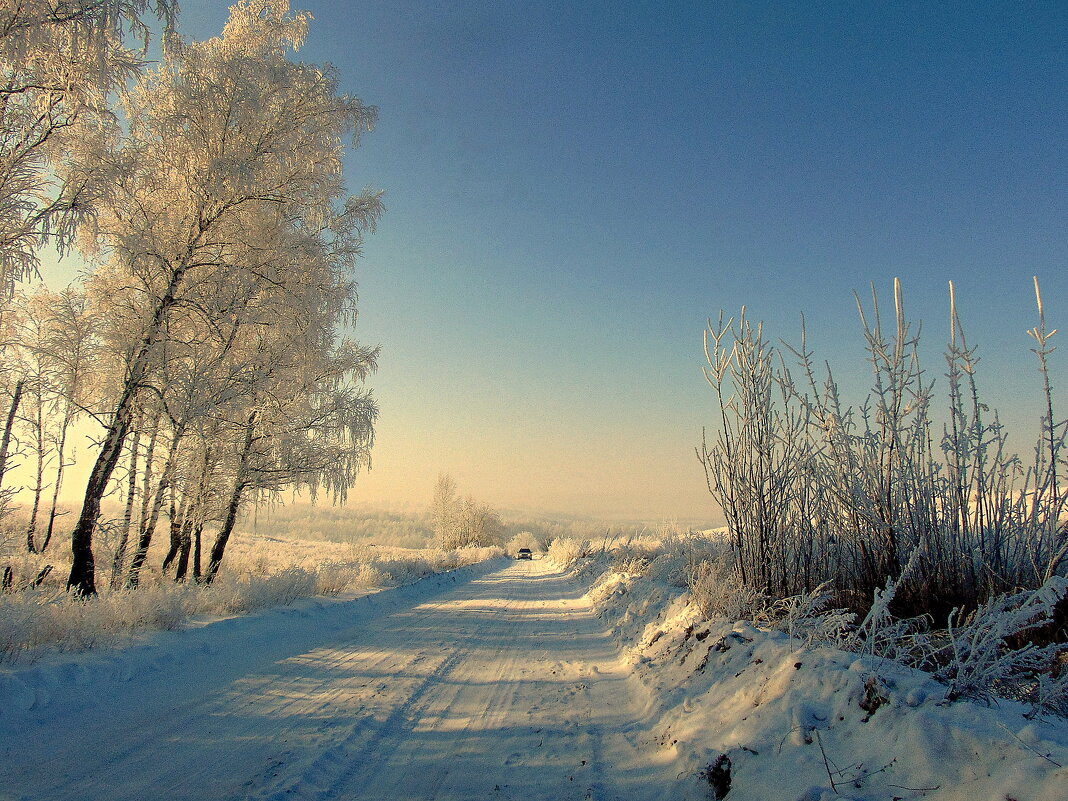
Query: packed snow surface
point(503, 680)
point(496, 681)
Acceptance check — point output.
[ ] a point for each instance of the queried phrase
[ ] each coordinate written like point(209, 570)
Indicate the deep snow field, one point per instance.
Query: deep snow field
point(493, 681)
point(811, 723)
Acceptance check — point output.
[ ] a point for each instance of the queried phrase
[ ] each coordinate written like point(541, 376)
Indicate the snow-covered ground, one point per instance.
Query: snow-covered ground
point(495, 681)
point(259, 572)
point(791, 721)
point(502, 680)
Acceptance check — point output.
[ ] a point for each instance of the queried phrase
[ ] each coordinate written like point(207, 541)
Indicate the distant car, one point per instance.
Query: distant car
point(524, 553)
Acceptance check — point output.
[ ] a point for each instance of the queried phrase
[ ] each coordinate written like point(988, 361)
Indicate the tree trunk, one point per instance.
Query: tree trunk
point(82, 573)
point(82, 579)
point(175, 529)
point(5, 442)
point(197, 533)
point(240, 483)
point(148, 527)
point(185, 544)
point(179, 515)
point(219, 548)
point(38, 489)
point(118, 562)
point(146, 479)
point(193, 522)
point(68, 415)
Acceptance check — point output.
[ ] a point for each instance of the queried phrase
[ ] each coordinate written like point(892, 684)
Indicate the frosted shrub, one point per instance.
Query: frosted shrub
point(816, 491)
point(806, 616)
point(381, 567)
point(290, 585)
point(13, 620)
point(404, 571)
point(1049, 692)
point(370, 576)
point(565, 551)
point(70, 623)
point(881, 635)
point(158, 606)
point(281, 589)
point(716, 591)
point(632, 559)
point(261, 576)
point(333, 578)
point(22, 620)
point(474, 554)
point(681, 557)
point(48, 617)
point(979, 655)
point(438, 561)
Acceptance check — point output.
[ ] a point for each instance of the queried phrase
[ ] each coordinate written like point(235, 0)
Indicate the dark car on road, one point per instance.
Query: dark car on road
point(524, 553)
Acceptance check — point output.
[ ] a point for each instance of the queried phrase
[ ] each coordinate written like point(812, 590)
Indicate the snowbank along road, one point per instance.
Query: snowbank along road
point(497, 682)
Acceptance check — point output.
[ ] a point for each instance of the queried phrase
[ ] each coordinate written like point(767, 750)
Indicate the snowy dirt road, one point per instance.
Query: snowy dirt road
point(499, 685)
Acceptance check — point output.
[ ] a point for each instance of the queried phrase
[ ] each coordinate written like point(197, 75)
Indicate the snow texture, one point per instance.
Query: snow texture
point(802, 721)
point(505, 680)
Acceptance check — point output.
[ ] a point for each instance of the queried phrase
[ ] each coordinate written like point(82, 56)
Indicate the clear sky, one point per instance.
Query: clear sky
point(573, 187)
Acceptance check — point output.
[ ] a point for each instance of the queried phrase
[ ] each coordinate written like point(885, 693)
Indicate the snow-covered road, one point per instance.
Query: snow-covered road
point(500, 684)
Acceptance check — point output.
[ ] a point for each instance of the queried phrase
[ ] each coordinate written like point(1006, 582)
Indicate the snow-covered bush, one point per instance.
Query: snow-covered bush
point(634, 558)
point(979, 655)
point(260, 574)
point(1049, 692)
point(334, 577)
point(49, 617)
point(816, 491)
point(683, 555)
point(717, 591)
point(158, 606)
point(807, 616)
point(882, 635)
point(565, 551)
point(22, 615)
point(247, 594)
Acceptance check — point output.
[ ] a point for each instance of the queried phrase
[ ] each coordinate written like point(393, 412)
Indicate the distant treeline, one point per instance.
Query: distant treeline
point(410, 528)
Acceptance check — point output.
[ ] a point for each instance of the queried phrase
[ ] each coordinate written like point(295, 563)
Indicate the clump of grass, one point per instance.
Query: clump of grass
point(565, 551)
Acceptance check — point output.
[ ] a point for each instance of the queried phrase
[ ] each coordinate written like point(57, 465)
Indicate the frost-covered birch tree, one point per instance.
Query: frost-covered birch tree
point(462, 521)
point(51, 355)
point(59, 62)
point(71, 345)
point(305, 422)
point(228, 187)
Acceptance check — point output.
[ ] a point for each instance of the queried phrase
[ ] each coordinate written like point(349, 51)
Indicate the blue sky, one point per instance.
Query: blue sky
point(572, 188)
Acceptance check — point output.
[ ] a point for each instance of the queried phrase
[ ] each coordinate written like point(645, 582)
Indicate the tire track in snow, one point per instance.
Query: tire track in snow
point(516, 724)
point(483, 690)
point(340, 764)
point(215, 733)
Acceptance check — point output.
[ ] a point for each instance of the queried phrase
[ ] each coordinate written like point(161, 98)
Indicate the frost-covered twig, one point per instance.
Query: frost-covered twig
point(978, 655)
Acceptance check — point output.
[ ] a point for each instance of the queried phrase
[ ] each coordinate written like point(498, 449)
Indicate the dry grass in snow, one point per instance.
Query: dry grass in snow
point(259, 573)
point(797, 703)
